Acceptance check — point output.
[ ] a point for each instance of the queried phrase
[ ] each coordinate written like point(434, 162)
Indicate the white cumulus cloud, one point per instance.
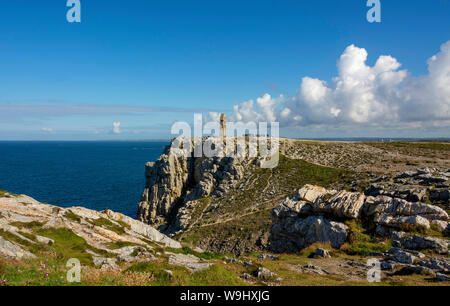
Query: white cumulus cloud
point(382, 95)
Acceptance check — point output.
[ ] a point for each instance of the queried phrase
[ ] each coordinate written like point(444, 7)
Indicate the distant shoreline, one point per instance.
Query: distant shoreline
point(343, 139)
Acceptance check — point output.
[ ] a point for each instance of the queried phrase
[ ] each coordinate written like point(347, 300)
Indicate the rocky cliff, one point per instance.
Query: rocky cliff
point(177, 186)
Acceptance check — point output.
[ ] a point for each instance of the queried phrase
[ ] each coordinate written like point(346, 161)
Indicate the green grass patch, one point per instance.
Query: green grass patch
point(74, 217)
point(206, 255)
point(120, 244)
point(364, 248)
point(34, 272)
point(29, 236)
point(68, 245)
point(360, 241)
point(102, 222)
point(215, 275)
point(413, 228)
point(6, 194)
point(34, 225)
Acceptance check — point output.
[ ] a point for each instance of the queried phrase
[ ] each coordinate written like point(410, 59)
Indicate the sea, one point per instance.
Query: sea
point(92, 174)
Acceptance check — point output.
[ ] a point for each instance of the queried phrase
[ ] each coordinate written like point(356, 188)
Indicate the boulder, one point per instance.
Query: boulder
point(437, 264)
point(267, 256)
point(144, 229)
point(401, 256)
point(106, 264)
point(322, 253)
point(263, 273)
point(382, 206)
point(310, 193)
point(387, 265)
point(246, 276)
point(343, 204)
point(290, 234)
point(44, 240)
point(442, 277)
point(190, 262)
point(417, 242)
point(291, 207)
point(310, 268)
point(412, 269)
point(399, 222)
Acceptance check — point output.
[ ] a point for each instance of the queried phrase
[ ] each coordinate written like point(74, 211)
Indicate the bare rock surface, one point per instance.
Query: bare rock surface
point(12, 250)
point(188, 261)
point(114, 228)
point(293, 234)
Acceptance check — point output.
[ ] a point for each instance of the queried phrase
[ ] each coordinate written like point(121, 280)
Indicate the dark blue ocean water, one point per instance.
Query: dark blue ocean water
point(95, 175)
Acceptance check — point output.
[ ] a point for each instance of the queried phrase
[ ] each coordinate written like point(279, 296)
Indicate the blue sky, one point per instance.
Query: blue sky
point(147, 63)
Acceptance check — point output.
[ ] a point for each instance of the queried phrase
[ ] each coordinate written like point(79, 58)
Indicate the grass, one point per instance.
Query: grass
point(68, 245)
point(102, 222)
point(435, 150)
point(439, 146)
point(363, 248)
point(30, 225)
point(34, 272)
point(233, 232)
point(120, 244)
point(308, 173)
point(160, 273)
point(206, 255)
point(216, 275)
point(4, 193)
point(413, 228)
point(70, 215)
point(198, 210)
point(359, 240)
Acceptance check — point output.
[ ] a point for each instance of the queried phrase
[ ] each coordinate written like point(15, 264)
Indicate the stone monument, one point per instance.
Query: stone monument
point(223, 125)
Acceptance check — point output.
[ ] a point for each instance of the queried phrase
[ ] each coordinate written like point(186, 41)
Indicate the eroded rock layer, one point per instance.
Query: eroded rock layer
point(316, 214)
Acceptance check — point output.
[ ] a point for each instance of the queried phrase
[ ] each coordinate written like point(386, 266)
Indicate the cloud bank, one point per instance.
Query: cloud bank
point(381, 96)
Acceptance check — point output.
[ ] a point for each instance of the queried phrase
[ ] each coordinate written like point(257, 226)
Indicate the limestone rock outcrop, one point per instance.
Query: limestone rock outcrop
point(316, 214)
point(175, 182)
point(100, 230)
point(290, 234)
point(188, 261)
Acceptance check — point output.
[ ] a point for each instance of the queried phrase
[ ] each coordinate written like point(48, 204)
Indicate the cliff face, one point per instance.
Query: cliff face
point(177, 186)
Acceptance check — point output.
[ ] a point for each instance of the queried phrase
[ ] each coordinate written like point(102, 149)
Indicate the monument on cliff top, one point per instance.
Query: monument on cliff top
point(223, 125)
